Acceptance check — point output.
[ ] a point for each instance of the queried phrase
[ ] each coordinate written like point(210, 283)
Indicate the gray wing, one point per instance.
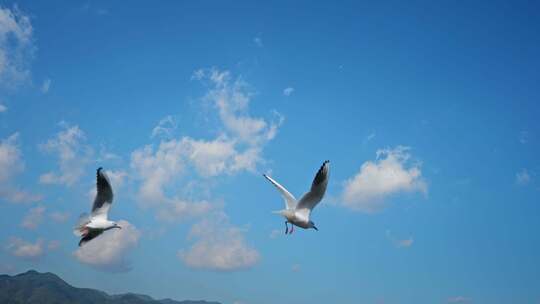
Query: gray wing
point(290, 201)
point(104, 196)
point(318, 188)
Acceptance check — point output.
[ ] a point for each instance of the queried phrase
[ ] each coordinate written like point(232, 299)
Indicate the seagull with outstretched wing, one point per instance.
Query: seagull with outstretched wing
point(90, 227)
point(297, 213)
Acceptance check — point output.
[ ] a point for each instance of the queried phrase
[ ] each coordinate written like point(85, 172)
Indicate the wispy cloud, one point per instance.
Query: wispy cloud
point(459, 299)
point(275, 233)
point(165, 128)
point(288, 91)
point(523, 177)
point(3, 108)
point(73, 155)
point(26, 250)
point(16, 46)
point(59, 217)
point(524, 137)
point(389, 174)
point(118, 243)
point(258, 41)
point(33, 218)
point(399, 243)
point(45, 86)
point(11, 165)
point(369, 137)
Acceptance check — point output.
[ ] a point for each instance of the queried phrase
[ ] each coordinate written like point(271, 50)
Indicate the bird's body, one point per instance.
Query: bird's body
point(298, 213)
point(96, 223)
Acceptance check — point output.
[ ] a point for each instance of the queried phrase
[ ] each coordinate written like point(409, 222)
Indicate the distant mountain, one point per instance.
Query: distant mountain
point(33, 287)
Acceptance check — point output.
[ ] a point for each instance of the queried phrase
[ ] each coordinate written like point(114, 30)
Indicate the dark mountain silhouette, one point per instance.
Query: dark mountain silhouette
point(33, 287)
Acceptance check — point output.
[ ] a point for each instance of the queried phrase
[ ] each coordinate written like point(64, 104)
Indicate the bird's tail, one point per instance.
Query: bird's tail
point(80, 229)
point(282, 212)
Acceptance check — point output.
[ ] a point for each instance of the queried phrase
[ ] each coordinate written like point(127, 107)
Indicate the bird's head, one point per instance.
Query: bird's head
point(312, 225)
point(115, 225)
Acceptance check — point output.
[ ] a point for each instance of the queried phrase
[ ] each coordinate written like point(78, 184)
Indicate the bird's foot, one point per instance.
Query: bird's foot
point(286, 228)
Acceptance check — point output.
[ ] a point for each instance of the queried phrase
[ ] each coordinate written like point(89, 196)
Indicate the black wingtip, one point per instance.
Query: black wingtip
point(99, 169)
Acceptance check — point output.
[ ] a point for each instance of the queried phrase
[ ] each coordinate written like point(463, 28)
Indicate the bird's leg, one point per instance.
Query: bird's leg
point(286, 228)
point(292, 228)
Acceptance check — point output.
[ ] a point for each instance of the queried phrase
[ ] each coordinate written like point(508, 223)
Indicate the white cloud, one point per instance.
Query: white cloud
point(399, 243)
point(33, 218)
point(524, 137)
point(237, 147)
point(165, 128)
point(523, 177)
point(73, 155)
point(156, 169)
point(258, 41)
point(53, 245)
point(108, 252)
point(275, 233)
point(220, 246)
point(178, 210)
point(3, 108)
point(231, 99)
point(459, 299)
point(45, 86)
point(26, 250)
point(288, 91)
point(12, 164)
point(16, 46)
point(10, 158)
point(59, 217)
point(389, 174)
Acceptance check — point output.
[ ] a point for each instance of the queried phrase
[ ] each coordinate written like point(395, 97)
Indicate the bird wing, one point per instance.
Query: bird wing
point(318, 188)
point(90, 235)
point(104, 196)
point(290, 201)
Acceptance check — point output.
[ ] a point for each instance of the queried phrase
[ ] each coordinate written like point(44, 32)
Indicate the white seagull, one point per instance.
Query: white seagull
point(298, 212)
point(90, 227)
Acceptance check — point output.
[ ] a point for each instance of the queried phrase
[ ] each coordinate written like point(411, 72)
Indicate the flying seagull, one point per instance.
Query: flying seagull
point(92, 226)
point(298, 212)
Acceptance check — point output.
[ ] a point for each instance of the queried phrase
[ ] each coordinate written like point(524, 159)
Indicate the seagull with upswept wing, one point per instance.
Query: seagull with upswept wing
point(297, 213)
point(92, 226)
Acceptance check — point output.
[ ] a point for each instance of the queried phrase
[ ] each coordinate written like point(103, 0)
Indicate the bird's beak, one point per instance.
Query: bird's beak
point(315, 228)
point(118, 227)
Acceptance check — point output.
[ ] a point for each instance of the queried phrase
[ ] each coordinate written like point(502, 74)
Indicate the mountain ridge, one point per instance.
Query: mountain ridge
point(33, 287)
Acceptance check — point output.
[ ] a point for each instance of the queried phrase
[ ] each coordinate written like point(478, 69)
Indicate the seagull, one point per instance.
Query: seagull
point(298, 212)
point(90, 227)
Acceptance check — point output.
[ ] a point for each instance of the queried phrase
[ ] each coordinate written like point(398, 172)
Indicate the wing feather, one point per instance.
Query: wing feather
point(104, 195)
point(290, 201)
point(318, 188)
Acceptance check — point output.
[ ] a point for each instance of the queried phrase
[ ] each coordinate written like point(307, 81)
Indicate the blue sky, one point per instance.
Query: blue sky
point(427, 111)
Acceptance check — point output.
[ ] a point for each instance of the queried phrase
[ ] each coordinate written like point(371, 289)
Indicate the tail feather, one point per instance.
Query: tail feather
point(80, 229)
